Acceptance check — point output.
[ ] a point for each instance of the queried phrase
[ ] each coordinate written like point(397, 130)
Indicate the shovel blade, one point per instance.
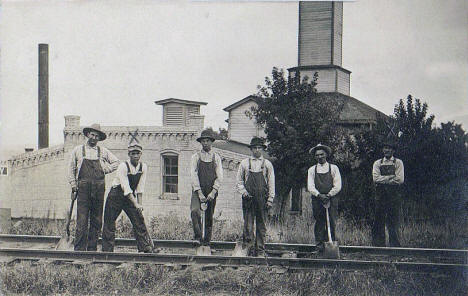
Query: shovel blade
point(203, 251)
point(65, 244)
point(239, 251)
point(331, 250)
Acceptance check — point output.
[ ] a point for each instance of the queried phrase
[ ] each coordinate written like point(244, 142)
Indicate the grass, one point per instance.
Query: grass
point(45, 279)
point(48, 279)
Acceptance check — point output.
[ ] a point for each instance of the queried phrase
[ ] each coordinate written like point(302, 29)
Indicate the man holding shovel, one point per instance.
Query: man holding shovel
point(388, 175)
point(88, 165)
point(126, 194)
point(324, 182)
point(207, 175)
point(256, 183)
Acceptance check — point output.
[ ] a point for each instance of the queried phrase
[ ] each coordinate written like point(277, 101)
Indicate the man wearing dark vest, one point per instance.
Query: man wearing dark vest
point(207, 175)
point(388, 175)
point(127, 194)
point(88, 165)
point(324, 182)
point(256, 183)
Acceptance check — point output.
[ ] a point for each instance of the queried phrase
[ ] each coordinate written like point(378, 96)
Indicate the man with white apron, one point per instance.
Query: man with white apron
point(256, 184)
point(207, 175)
point(126, 194)
point(88, 165)
point(324, 182)
point(388, 176)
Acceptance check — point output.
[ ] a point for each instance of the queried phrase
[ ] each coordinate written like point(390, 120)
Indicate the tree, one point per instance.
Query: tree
point(221, 134)
point(295, 119)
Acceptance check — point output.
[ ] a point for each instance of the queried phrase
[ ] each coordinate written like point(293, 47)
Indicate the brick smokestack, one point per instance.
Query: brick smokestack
point(43, 93)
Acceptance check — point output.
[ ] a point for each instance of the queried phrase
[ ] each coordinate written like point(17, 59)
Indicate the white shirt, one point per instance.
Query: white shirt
point(268, 174)
point(322, 169)
point(121, 178)
point(396, 179)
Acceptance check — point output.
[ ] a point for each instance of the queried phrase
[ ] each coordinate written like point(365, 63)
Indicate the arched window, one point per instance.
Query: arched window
point(170, 173)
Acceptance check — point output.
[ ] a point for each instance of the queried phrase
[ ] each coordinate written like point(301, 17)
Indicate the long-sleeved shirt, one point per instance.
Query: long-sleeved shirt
point(322, 169)
point(109, 162)
point(396, 179)
point(206, 157)
point(268, 174)
point(121, 178)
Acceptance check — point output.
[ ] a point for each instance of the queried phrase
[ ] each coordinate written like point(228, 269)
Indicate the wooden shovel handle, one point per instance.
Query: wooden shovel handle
point(328, 227)
point(70, 214)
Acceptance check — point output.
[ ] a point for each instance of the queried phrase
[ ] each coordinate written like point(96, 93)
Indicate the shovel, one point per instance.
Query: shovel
point(66, 242)
point(203, 250)
point(148, 238)
point(331, 249)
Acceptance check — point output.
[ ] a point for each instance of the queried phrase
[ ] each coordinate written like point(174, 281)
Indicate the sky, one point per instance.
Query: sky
point(110, 60)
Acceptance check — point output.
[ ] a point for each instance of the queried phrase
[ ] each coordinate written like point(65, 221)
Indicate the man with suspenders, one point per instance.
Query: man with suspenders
point(88, 165)
point(206, 174)
point(256, 183)
point(324, 182)
point(126, 194)
point(388, 175)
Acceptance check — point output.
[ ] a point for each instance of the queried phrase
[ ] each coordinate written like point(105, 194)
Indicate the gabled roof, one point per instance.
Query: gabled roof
point(241, 102)
point(354, 111)
point(174, 100)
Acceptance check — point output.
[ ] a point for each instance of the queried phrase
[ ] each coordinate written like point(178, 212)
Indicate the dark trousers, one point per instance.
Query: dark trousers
point(90, 201)
point(387, 212)
point(116, 202)
point(253, 209)
point(195, 212)
point(320, 216)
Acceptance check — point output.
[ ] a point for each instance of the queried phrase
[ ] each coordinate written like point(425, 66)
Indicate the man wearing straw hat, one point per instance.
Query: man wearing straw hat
point(256, 183)
point(88, 165)
point(207, 175)
point(388, 175)
point(126, 194)
point(324, 182)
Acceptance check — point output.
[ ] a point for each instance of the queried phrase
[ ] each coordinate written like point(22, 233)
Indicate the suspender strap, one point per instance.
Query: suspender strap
point(381, 160)
point(140, 170)
point(83, 151)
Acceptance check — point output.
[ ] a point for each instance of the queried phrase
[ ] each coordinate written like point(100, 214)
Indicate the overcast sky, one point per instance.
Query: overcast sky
point(110, 60)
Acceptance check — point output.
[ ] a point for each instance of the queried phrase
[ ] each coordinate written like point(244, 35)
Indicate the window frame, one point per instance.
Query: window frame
point(167, 155)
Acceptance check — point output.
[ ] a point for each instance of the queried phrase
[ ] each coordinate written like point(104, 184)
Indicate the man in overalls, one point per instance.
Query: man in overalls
point(207, 175)
point(126, 194)
point(256, 183)
point(324, 182)
point(388, 175)
point(88, 165)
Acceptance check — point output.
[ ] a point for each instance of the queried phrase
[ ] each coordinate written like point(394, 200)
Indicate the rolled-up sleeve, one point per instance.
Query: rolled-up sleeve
point(271, 180)
point(123, 178)
point(240, 183)
point(141, 185)
point(194, 172)
point(219, 172)
point(72, 167)
point(335, 171)
point(399, 172)
point(311, 181)
point(112, 161)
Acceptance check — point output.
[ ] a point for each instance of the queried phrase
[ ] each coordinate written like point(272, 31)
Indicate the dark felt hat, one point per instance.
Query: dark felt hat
point(95, 128)
point(320, 147)
point(256, 141)
point(206, 134)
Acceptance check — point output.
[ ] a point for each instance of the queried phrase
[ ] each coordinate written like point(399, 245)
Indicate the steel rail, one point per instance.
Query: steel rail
point(179, 259)
point(270, 247)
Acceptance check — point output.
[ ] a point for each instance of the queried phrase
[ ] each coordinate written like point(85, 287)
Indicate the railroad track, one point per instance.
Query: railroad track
point(276, 249)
